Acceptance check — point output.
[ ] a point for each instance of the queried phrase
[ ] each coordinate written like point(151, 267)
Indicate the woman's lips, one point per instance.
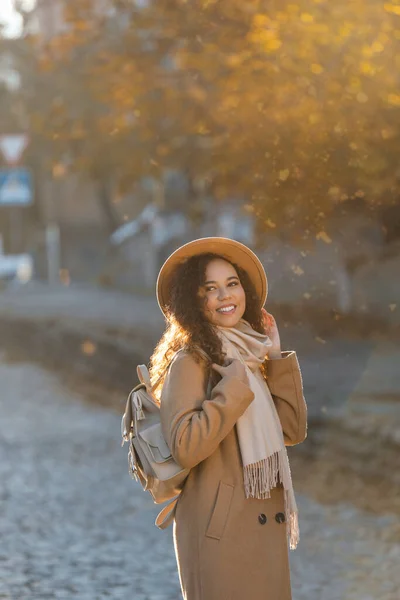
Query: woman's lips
point(227, 312)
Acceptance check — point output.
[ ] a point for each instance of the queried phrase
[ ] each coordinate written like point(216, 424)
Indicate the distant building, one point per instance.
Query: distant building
point(48, 18)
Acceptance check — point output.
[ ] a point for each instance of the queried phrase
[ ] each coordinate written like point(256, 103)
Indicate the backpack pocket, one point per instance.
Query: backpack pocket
point(220, 513)
point(155, 443)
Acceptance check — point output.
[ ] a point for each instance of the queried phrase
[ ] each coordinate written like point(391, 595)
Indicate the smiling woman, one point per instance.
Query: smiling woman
point(230, 402)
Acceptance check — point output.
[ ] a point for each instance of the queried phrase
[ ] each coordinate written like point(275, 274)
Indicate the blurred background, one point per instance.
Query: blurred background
point(127, 128)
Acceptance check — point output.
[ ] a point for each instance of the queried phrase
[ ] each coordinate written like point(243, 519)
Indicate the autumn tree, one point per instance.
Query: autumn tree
point(293, 106)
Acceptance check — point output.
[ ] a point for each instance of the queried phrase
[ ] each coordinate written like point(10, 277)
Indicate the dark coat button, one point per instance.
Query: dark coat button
point(262, 519)
point(280, 517)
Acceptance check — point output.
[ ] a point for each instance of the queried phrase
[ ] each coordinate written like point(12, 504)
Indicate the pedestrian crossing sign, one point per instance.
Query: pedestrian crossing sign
point(16, 188)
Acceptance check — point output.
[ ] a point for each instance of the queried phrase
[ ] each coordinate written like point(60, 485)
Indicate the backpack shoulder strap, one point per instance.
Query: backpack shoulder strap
point(144, 376)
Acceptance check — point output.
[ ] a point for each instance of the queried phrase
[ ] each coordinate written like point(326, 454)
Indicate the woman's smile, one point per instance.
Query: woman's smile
point(227, 310)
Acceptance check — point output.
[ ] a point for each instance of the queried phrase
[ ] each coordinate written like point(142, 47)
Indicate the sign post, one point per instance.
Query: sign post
point(16, 190)
point(53, 253)
point(16, 187)
point(13, 147)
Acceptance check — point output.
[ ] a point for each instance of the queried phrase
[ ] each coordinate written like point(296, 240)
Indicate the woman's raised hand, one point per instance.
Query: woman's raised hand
point(235, 369)
point(271, 329)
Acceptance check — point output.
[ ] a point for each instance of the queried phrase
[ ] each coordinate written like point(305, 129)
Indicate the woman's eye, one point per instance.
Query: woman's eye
point(234, 283)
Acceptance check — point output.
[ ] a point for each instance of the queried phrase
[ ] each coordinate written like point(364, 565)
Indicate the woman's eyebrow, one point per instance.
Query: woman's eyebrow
point(228, 279)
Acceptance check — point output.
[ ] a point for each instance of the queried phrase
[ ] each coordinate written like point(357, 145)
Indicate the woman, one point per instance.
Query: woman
point(230, 402)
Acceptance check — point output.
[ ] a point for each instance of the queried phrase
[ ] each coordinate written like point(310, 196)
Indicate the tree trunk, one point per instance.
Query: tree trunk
point(111, 218)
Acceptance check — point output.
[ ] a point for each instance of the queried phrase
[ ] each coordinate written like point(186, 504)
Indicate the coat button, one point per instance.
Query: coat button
point(280, 518)
point(262, 519)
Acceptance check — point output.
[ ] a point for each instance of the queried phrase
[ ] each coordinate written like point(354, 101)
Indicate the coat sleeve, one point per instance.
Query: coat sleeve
point(286, 386)
point(194, 426)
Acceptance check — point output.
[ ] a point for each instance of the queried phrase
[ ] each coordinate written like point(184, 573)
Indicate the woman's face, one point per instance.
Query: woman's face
point(225, 298)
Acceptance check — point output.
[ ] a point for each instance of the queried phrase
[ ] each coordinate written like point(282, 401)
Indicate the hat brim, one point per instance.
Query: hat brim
point(230, 249)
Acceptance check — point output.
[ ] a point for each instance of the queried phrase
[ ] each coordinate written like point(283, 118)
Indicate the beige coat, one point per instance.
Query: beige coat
point(227, 547)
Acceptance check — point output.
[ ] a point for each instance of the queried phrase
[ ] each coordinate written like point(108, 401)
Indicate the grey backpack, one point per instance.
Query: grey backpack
point(150, 460)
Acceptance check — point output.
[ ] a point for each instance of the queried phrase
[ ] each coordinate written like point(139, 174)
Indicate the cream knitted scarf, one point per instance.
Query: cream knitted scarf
point(259, 430)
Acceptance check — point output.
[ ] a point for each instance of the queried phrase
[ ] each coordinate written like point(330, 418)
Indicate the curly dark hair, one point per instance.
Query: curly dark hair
point(187, 327)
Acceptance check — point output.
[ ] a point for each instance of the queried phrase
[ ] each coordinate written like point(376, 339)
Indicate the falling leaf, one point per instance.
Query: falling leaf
point(88, 348)
point(322, 235)
point(307, 295)
point(65, 277)
point(270, 223)
point(284, 174)
point(387, 134)
point(324, 409)
point(59, 170)
point(320, 340)
point(392, 307)
point(314, 118)
point(297, 270)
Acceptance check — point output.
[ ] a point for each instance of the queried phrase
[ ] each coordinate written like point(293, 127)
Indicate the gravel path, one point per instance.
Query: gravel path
point(74, 525)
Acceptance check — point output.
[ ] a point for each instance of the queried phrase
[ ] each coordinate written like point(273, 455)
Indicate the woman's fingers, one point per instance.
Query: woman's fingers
point(235, 369)
point(268, 319)
point(218, 368)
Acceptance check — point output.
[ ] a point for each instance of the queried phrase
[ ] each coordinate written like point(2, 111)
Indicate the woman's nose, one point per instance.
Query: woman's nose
point(224, 293)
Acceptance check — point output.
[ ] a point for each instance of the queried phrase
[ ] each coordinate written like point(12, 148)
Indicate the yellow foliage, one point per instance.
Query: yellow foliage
point(367, 68)
point(306, 18)
point(316, 68)
point(394, 99)
point(311, 84)
point(362, 97)
point(392, 8)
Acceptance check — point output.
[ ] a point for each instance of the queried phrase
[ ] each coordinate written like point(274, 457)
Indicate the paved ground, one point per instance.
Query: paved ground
point(74, 525)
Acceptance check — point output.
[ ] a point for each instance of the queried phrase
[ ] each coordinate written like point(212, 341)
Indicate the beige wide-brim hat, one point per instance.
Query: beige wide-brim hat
point(230, 249)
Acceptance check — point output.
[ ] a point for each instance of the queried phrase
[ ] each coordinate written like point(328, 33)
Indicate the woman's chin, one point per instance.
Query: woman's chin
point(228, 320)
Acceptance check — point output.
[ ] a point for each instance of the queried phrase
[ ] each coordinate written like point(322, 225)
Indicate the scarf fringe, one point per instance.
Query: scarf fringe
point(261, 477)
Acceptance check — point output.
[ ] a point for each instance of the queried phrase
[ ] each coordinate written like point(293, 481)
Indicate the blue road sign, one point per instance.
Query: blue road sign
point(16, 187)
